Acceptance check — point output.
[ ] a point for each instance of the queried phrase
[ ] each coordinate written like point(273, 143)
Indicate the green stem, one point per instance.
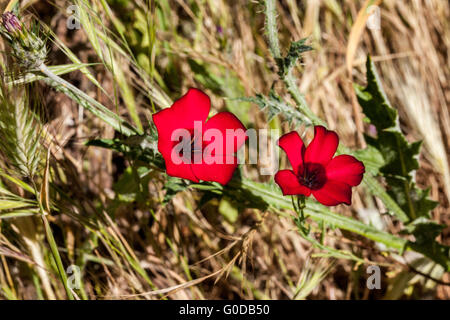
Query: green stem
point(305, 231)
point(288, 79)
point(272, 30)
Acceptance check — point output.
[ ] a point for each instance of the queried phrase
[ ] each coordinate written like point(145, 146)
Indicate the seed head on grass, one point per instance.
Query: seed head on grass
point(21, 131)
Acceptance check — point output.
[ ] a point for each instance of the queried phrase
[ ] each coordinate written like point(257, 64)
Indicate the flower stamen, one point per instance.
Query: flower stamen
point(312, 176)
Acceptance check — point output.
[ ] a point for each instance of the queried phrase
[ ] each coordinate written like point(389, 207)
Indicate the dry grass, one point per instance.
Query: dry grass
point(143, 249)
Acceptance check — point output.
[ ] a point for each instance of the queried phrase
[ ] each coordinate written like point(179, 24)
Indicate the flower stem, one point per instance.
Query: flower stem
point(288, 79)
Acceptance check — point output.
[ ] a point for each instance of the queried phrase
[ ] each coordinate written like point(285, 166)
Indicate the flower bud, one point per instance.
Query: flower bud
point(27, 46)
point(11, 23)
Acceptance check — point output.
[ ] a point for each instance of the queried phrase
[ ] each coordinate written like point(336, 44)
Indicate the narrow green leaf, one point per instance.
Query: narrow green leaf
point(318, 212)
point(16, 181)
point(58, 70)
point(17, 214)
point(12, 204)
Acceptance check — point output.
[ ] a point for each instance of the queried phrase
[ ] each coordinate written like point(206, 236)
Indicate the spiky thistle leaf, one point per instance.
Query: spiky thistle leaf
point(272, 105)
point(400, 156)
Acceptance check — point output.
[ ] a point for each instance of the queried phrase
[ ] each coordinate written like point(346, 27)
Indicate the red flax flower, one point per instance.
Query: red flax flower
point(314, 170)
point(211, 143)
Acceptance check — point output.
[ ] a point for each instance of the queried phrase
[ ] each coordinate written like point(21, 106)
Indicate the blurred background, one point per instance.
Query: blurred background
point(147, 54)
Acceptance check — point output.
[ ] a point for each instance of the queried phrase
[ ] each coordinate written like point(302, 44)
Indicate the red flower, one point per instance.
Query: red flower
point(314, 170)
point(189, 114)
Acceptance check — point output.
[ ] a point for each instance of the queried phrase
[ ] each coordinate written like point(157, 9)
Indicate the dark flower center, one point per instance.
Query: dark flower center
point(312, 176)
point(195, 147)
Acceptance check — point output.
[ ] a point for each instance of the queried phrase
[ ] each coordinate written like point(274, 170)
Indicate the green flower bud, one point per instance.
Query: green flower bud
point(28, 48)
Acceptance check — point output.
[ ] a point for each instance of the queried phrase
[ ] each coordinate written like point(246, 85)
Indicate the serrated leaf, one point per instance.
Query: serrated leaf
point(400, 156)
point(424, 230)
point(295, 51)
point(272, 105)
point(374, 102)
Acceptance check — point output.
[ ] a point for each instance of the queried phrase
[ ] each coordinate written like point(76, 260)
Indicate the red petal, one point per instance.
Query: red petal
point(334, 193)
point(181, 170)
point(163, 121)
point(218, 172)
point(346, 169)
point(228, 125)
point(293, 145)
point(322, 147)
point(289, 183)
point(193, 106)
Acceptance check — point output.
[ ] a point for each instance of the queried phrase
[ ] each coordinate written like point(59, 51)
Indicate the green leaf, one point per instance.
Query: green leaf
point(272, 105)
point(424, 230)
point(295, 52)
point(270, 195)
point(112, 144)
point(172, 187)
point(58, 70)
point(374, 102)
point(377, 189)
point(400, 156)
point(400, 163)
point(133, 184)
point(372, 158)
point(136, 147)
point(12, 204)
point(16, 181)
point(18, 214)
point(435, 251)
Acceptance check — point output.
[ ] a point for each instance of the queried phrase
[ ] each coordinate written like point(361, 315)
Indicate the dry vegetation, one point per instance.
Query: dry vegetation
point(139, 248)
